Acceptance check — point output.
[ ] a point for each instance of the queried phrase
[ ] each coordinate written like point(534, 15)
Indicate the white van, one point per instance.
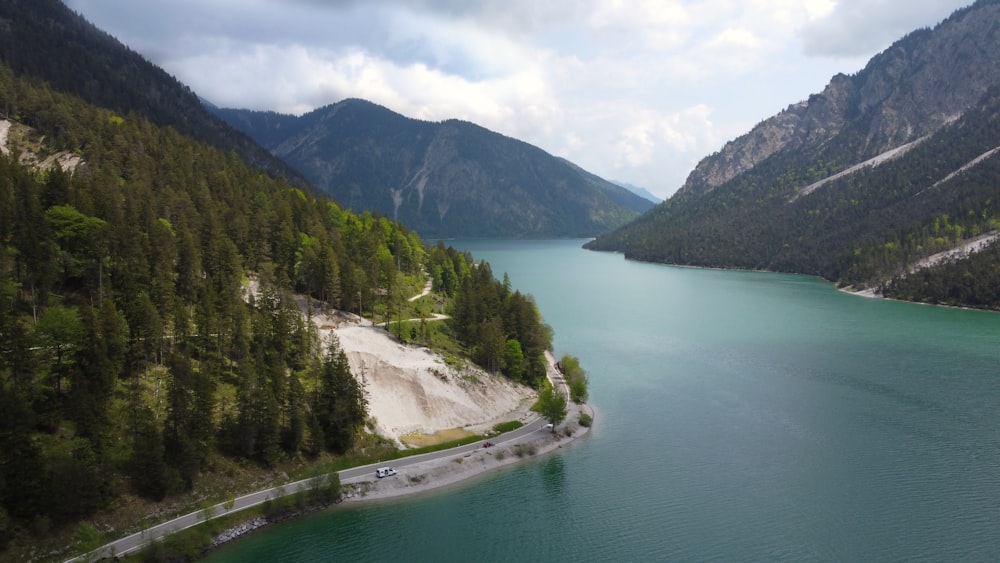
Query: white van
point(385, 472)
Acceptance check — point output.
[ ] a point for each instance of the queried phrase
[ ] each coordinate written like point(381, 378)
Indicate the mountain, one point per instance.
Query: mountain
point(447, 179)
point(46, 40)
point(858, 183)
point(641, 192)
point(152, 344)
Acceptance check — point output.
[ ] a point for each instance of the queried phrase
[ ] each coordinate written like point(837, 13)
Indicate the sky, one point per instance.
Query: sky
point(635, 91)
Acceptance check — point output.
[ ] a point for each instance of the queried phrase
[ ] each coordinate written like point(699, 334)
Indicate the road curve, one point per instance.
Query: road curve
point(138, 540)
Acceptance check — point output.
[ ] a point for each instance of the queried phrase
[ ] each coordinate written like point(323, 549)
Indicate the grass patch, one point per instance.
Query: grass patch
point(507, 426)
point(423, 440)
point(435, 448)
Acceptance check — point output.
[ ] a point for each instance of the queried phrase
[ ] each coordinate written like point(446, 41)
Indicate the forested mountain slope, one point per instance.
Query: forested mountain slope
point(132, 359)
point(448, 179)
point(858, 183)
point(46, 40)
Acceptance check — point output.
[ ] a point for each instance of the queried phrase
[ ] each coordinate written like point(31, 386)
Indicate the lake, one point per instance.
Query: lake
point(740, 416)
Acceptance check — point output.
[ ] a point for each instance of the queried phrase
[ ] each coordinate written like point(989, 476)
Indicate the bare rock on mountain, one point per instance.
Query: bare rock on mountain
point(914, 87)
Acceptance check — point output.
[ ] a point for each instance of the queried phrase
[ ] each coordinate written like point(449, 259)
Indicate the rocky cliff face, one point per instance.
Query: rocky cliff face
point(892, 165)
point(904, 93)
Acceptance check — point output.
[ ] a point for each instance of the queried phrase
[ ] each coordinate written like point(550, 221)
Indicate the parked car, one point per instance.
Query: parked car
point(385, 472)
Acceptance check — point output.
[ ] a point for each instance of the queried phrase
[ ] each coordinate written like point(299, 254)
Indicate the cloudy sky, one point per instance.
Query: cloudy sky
point(635, 91)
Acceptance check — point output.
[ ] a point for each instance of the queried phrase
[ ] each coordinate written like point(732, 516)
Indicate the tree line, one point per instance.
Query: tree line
point(501, 327)
point(148, 318)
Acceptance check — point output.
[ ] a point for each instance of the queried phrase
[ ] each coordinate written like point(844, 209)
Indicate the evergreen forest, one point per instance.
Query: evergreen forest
point(150, 321)
point(866, 229)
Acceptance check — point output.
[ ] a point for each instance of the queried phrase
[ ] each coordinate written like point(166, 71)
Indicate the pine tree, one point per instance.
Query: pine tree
point(339, 403)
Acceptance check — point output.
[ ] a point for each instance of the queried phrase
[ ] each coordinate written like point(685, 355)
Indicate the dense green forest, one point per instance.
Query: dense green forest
point(44, 39)
point(132, 347)
point(858, 230)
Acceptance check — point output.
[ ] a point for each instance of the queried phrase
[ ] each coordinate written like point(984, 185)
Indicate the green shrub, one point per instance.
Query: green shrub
point(507, 426)
point(186, 545)
point(87, 537)
point(586, 420)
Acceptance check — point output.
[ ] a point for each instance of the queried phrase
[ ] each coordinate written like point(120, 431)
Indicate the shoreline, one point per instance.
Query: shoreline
point(867, 293)
point(871, 294)
point(437, 476)
point(446, 473)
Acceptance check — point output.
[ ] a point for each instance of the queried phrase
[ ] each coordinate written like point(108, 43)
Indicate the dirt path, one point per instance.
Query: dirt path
point(426, 291)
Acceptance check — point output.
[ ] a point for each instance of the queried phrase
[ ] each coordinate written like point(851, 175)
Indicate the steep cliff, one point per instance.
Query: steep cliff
point(860, 182)
point(920, 83)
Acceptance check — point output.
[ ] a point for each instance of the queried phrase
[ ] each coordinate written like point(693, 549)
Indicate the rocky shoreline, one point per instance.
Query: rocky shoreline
point(435, 475)
point(237, 531)
point(259, 522)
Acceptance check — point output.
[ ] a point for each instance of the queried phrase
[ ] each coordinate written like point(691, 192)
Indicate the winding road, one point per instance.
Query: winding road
point(138, 540)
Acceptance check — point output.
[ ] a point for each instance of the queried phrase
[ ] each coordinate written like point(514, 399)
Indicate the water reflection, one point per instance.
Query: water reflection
point(554, 477)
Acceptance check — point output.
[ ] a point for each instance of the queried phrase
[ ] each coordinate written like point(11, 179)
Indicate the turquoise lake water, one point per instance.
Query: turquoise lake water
point(740, 416)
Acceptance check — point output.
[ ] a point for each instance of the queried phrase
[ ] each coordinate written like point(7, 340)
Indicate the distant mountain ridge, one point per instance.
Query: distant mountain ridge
point(640, 191)
point(859, 183)
point(447, 179)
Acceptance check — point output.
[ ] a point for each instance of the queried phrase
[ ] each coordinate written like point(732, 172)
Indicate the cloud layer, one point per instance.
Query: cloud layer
point(632, 90)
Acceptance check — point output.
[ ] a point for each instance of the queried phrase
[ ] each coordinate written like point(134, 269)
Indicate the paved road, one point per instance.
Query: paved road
point(136, 541)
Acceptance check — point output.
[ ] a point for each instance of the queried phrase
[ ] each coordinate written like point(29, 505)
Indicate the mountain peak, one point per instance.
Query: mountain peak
point(902, 94)
point(448, 179)
point(882, 169)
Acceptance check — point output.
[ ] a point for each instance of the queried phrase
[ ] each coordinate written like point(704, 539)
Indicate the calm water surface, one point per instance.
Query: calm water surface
point(740, 416)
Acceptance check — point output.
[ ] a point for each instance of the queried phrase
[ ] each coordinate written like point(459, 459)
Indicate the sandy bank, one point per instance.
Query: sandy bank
point(411, 389)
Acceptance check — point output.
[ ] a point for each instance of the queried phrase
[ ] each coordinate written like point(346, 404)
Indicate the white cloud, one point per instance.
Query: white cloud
point(637, 90)
point(656, 24)
point(861, 27)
